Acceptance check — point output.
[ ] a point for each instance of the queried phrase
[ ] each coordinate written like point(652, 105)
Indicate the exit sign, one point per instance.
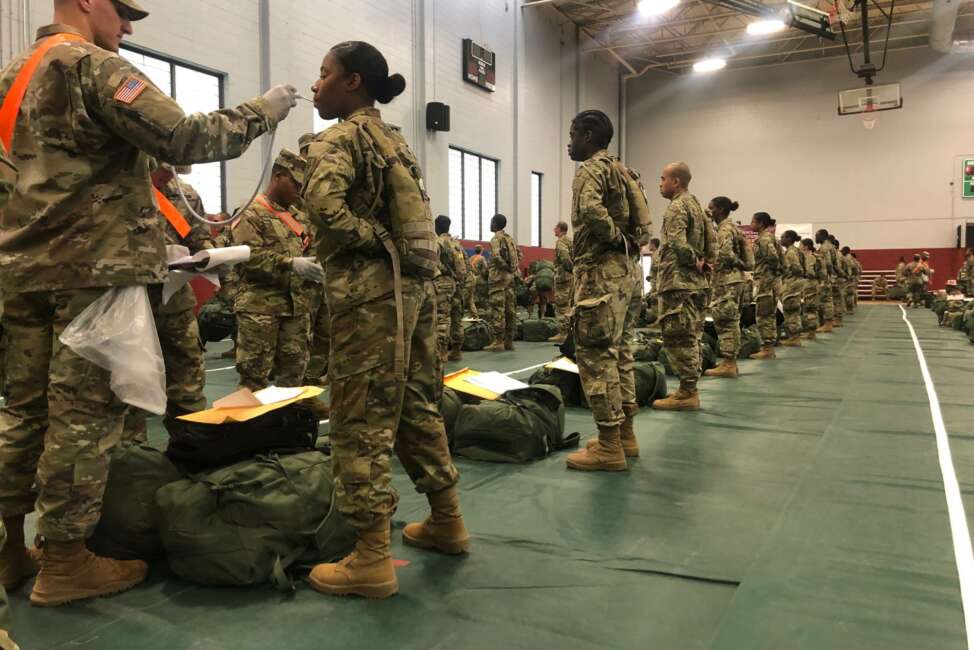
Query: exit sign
point(968, 174)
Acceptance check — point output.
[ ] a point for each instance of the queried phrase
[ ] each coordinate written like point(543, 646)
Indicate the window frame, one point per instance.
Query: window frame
point(463, 188)
point(540, 176)
point(174, 61)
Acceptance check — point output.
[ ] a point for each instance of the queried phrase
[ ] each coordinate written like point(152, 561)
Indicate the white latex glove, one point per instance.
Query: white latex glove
point(281, 99)
point(309, 269)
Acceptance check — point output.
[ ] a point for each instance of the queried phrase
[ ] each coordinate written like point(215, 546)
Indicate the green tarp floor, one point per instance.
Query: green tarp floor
point(802, 508)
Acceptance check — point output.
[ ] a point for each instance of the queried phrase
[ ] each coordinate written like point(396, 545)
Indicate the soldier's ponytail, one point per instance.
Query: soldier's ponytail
point(359, 57)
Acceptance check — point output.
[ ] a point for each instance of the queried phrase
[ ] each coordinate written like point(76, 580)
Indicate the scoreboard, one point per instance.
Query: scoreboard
point(478, 65)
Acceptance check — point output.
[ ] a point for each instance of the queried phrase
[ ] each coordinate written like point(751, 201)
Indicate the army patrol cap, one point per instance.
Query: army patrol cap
point(305, 141)
point(925, 255)
point(293, 163)
point(134, 9)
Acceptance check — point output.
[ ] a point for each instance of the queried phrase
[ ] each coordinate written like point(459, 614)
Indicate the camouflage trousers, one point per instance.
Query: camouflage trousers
point(60, 419)
point(850, 297)
point(838, 300)
point(601, 308)
point(182, 351)
point(470, 296)
point(916, 292)
point(266, 344)
point(374, 411)
point(681, 320)
point(826, 308)
point(503, 310)
point(726, 308)
point(791, 303)
point(4, 609)
point(627, 351)
point(766, 299)
point(449, 316)
point(317, 370)
point(810, 305)
point(564, 293)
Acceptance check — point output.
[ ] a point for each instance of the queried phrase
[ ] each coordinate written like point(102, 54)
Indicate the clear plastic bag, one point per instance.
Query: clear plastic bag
point(118, 333)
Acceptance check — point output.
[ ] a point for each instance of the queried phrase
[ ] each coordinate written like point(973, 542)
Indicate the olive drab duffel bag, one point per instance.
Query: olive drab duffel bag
point(750, 342)
point(450, 404)
point(568, 384)
point(476, 335)
point(216, 322)
point(539, 330)
point(255, 522)
point(129, 524)
point(708, 359)
point(522, 425)
point(650, 382)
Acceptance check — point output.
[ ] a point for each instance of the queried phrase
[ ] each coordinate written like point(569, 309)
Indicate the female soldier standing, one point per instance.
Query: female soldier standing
point(365, 192)
point(767, 282)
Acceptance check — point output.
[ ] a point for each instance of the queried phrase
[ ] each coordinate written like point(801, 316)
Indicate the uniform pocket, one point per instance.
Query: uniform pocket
point(594, 321)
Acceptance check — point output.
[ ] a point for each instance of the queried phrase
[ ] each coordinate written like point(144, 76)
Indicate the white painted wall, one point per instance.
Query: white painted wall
point(524, 123)
point(770, 139)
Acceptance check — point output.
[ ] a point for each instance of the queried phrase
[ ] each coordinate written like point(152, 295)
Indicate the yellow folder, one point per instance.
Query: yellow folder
point(243, 405)
point(459, 381)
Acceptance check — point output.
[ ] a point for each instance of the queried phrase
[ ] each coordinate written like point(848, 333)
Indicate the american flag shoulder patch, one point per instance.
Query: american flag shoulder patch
point(130, 90)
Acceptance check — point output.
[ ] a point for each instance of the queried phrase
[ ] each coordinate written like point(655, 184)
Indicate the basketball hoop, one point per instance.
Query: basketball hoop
point(869, 117)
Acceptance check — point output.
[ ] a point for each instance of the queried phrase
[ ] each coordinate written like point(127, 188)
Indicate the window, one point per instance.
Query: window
point(197, 90)
point(536, 178)
point(473, 194)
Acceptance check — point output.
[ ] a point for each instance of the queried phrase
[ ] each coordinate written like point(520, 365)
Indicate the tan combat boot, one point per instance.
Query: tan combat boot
point(456, 354)
point(826, 328)
point(17, 563)
point(810, 336)
point(630, 446)
point(792, 342)
point(683, 399)
point(726, 369)
point(367, 571)
point(71, 572)
point(767, 352)
point(605, 455)
point(496, 346)
point(509, 344)
point(443, 530)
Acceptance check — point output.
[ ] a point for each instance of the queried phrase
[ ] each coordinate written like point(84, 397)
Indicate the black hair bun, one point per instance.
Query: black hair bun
point(393, 86)
point(734, 205)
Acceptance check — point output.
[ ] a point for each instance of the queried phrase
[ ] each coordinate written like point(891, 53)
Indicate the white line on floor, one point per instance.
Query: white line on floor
point(515, 372)
point(963, 553)
point(219, 369)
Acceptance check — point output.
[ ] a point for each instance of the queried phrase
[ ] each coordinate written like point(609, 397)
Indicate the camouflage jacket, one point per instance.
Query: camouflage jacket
point(505, 258)
point(268, 285)
point(563, 259)
point(600, 211)
point(8, 178)
point(900, 272)
point(684, 241)
point(478, 266)
point(794, 265)
point(813, 267)
point(734, 254)
point(830, 260)
point(768, 260)
point(453, 262)
point(82, 214)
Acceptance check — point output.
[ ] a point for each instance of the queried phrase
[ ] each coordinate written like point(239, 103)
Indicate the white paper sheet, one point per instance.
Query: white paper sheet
point(274, 394)
point(204, 263)
point(497, 382)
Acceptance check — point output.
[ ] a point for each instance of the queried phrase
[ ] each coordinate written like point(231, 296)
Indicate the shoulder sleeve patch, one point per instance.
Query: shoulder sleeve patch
point(130, 90)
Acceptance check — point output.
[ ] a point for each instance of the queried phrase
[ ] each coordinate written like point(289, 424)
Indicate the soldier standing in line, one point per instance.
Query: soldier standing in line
point(900, 278)
point(734, 258)
point(383, 372)
point(969, 272)
point(273, 317)
point(505, 259)
point(928, 270)
point(914, 282)
point(564, 281)
point(683, 272)
point(603, 278)
point(857, 277)
point(90, 226)
point(826, 255)
point(793, 286)
point(449, 300)
point(469, 287)
point(478, 264)
point(839, 282)
point(767, 282)
point(850, 287)
point(811, 290)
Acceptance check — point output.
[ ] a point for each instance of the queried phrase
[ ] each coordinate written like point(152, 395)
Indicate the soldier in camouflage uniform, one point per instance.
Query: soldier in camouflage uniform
point(603, 286)
point(827, 257)
point(276, 284)
point(449, 300)
point(478, 264)
point(683, 272)
point(768, 265)
point(176, 325)
point(734, 258)
point(470, 289)
point(793, 286)
point(91, 225)
point(840, 280)
point(968, 287)
point(383, 359)
point(914, 282)
point(505, 260)
point(564, 281)
point(811, 289)
point(852, 284)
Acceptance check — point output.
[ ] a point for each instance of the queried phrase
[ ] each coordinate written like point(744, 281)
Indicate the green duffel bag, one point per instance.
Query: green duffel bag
point(129, 524)
point(253, 522)
point(750, 342)
point(476, 335)
point(650, 382)
point(450, 404)
point(539, 330)
point(928, 299)
point(957, 322)
point(647, 345)
point(896, 292)
point(939, 306)
point(568, 383)
point(520, 426)
point(544, 277)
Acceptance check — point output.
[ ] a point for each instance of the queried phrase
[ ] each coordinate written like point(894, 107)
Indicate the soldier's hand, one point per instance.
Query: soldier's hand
point(701, 263)
point(281, 99)
point(308, 269)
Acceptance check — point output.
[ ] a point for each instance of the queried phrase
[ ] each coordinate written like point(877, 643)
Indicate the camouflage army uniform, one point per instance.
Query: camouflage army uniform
point(505, 259)
point(810, 291)
point(914, 283)
point(273, 303)
point(91, 225)
point(449, 299)
point(8, 178)
point(827, 254)
point(470, 290)
point(627, 351)
point(968, 288)
point(478, 264)
point(839, 281)
point(564, 283)
point(734, 257)
point(320, 322)
point(767, 284)
point(176, 325)
point(603, 284)
point(681, 285)
point(852, 281)
point(793, 286)
point(373, 408)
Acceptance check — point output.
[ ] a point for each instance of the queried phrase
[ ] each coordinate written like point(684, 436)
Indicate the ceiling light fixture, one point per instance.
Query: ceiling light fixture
point(764, 27)
point(656, 7)
point(710, 65)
